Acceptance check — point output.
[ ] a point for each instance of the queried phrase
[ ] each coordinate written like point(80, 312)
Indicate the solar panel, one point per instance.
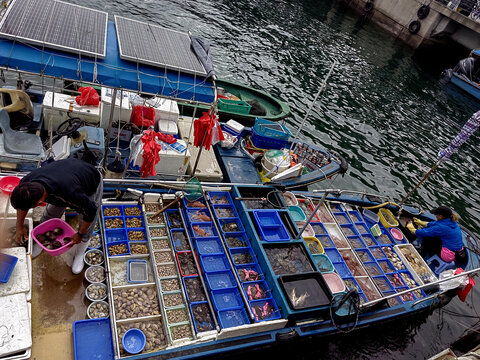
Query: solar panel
point(56, 24)
point(154, 45)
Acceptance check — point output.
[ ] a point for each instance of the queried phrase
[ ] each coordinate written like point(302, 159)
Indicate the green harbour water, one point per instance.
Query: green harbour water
point(384, 110)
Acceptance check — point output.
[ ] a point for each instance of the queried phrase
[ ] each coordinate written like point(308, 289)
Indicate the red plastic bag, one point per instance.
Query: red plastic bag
point(88, 96)
point(143, 116)
point(462, 293)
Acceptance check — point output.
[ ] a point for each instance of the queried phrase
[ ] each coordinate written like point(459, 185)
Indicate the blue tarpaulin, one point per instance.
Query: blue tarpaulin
point(111, 71)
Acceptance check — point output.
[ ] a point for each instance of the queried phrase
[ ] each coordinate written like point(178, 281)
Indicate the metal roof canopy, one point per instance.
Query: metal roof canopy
point(153, 45)
point(57, 24)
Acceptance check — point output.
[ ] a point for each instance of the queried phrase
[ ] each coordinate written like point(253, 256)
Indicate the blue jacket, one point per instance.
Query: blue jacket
point(447, 230)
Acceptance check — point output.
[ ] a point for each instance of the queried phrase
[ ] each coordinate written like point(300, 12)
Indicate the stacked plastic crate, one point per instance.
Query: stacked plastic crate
point(251, 276)
point(217, 271)
point(126, 241)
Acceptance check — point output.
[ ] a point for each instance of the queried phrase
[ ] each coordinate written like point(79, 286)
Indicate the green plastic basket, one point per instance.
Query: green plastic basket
point(236, 106)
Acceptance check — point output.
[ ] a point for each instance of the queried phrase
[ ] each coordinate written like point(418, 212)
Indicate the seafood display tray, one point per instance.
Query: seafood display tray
point(422, 278)
point(270, 225)
point(92, 338)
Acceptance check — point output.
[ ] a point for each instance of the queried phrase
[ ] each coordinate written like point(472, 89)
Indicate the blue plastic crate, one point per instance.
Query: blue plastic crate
point(356, 242)
point(115, 235)
point(130, 218)
point(364, 255)
point(243, 256)
point(232, 318)
point(111, 218)
point(179, 240)
point(211, 263)
point(209, 246)
point(393, 301)
point(192, 205)
point(225, 211)
point(126, 207)
point(395, 279)
point(225, 299)
point(137, 229)
point(264, 310)
point(271, 129)
point(323, 263)
point(333, 255)
point(194, 298)
point(386, 266)
point(341, 218)
point(110, 207)
point(382, 283)
point(92, 339)
point(373, 269)
point(318, 228)
point(349, 230)
point(256, 290)
point(351, 284)
point(220, 280)
point(263, 142)
point(237, 241)
point(245, 272)
point(119, 243)
point(203, 229)
point(377, 252)
point(385, 238)
point(326, 241)
point(355, 216)
point(197, 215)
point(408, 297)
point(342, 269)
point(369, 240)
point(363, 229)
point(173, 225)
point(200, 323)
point(270, 225)
point(234, 227)
point(142, 265)
point(219, 198)
point(7, 264)
point(336, 207)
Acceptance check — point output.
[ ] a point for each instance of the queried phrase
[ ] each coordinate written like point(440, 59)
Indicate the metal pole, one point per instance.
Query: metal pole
point(320, 203)
point(322, 88)
point(205, 134)
point(367, 304)
point(421, 182)
point(110, 121)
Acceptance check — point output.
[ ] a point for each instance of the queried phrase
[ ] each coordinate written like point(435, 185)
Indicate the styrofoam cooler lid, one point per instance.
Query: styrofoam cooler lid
point(15, 326)
point(19, 281)
point(61, 149)
point(168, 127)
point(234, 125)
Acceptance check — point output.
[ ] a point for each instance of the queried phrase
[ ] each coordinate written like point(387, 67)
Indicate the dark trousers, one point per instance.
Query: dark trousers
point(431, 246)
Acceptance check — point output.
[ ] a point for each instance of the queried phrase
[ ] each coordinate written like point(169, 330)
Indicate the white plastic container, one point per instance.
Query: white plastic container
point(165, 109)
point(56, 109)
point(275, 162)
point(168, 127)
point(61, 149)
point(234, 126)
point(171, 162)
point(106, 104)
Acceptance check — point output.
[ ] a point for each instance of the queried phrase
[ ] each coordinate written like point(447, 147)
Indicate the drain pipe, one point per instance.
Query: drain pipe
point(320, 203)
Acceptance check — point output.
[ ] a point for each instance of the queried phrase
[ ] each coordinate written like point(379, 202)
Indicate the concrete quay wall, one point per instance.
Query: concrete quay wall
point(442, 23)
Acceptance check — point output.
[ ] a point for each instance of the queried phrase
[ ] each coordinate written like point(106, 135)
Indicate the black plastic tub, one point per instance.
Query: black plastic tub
point(306, 291)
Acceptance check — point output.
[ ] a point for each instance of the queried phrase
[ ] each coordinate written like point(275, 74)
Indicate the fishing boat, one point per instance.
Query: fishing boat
point(465, 74)
point(241, 103)
point(231, 269)
point(267, 153)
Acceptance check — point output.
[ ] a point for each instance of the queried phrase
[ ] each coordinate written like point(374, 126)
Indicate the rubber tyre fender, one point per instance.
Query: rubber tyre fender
point(423, 11)
point(368, 7)
point(414, 26)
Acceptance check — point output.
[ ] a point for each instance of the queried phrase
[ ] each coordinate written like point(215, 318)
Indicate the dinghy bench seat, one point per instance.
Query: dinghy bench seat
point(16, 142)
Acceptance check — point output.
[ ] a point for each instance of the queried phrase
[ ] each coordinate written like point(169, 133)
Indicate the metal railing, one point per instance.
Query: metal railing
point(470, 8)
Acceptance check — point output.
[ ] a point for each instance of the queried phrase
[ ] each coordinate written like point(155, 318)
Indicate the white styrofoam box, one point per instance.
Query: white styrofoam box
point(61, 149)
point(167, 127)
point(125, 135)
point(11, 222)
point(25, 354)
point(56, 109)
point(171, 162)
point(15, 324)
point(106, 105)
point(235, 126)
point(19, 281)
point(165, 109)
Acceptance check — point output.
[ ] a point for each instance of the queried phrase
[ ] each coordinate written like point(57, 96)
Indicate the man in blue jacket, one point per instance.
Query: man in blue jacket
point(70, 182)
point(442, 237)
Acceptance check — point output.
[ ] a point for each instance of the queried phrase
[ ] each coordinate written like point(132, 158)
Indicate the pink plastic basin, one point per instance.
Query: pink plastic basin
point(8, 183)
point(396, 233)
point(334, 282)
point(50, 225)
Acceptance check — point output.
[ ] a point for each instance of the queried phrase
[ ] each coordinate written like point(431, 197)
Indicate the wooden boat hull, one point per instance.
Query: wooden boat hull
point(275, 108)
point(466, 85)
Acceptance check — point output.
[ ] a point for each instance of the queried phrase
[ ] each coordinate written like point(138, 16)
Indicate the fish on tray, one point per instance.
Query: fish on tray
point(200, 232)
point(298, 300)
point(200, 216)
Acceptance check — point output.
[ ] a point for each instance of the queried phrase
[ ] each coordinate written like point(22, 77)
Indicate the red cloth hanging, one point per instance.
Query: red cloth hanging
point(206, 129)
point(462, 293)
point(88, 96)
point(143, 116)
point(151, 150)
